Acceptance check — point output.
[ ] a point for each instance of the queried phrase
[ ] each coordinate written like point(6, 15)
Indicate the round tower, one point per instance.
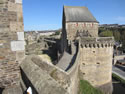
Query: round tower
point(96, 62)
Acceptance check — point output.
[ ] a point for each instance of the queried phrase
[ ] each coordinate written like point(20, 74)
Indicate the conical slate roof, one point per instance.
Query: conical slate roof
point(78, 14)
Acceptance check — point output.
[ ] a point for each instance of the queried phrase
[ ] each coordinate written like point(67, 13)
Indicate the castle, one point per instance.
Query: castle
point(87, 56)
point(95, 63)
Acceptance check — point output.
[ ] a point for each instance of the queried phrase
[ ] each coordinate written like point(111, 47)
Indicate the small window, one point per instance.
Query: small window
point(83, 73)
point(98, 63)
point(76, 24)
point(83, 63)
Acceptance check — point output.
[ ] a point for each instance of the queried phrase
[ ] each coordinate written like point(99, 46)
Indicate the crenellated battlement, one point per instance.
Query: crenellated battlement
point(98, 42)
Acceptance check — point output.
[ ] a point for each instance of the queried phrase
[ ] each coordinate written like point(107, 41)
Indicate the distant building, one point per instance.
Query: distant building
point(123, 26)
point(45, 33)
point(112, 26)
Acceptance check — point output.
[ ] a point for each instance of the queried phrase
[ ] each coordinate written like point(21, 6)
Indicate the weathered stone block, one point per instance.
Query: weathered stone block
point(20, 17)
point(12, 6)
point(12, 1)
point(2, 57)
point(12, 16)
point(18, 45)
point(20, 55)
point(19, 8)
point(2, 41)
point(16, 26)
point(20, 35)
point(2, 1)
point(19, 1)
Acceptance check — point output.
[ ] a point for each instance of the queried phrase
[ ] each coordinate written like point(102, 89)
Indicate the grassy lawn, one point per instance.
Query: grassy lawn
point(87, 88)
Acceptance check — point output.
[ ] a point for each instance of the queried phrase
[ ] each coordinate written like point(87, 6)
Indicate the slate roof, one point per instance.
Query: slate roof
point(78, 14)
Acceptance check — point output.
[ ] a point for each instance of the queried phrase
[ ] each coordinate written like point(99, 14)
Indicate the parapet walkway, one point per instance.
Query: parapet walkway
point(67, 60)
point(13, 90)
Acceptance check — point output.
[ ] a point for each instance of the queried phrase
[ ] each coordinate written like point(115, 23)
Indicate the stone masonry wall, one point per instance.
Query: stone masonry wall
point(43, 77)
point(68, 81)
point(73, 27)
point(11, 41)
point(96, 64)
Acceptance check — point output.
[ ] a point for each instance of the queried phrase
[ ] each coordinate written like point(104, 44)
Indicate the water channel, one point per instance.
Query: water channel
point(118, 88)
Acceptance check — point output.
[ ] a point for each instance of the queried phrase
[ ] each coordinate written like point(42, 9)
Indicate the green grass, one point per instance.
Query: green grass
point(116, 77)
point(87, 88)
point(52, 73)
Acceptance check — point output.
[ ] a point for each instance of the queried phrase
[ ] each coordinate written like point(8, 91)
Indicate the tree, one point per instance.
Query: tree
point(116, 35)
point(122, 38)
point(101, 29)
point(106, 33)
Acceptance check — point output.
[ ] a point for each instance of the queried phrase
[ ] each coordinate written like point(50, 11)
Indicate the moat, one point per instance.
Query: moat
point(118, 88)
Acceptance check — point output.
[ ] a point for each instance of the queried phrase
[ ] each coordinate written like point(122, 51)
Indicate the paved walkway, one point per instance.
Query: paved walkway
point(13, 90)
point(65, 61)
point(118, 72)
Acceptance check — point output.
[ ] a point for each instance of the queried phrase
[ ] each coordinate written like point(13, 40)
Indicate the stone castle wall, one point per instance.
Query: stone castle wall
point(11, 41)
point(96, 62)
point(43, 77)
point(73, 27)
point(73, 72)
point(67, 81)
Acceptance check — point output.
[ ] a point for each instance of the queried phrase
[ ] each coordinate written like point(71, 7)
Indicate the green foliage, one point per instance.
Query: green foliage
point(106, 33)
point(116, 35)
point(57, 33)
point(87, 88)
point(122, 39)
point(118, 78)
point(101, 29)
point(52, 73)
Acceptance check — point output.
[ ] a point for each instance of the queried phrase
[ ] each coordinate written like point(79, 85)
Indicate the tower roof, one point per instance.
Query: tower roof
point(78, 14)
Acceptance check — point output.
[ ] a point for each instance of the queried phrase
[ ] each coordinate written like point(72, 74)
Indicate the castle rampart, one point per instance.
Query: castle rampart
point(98, 42)
point(93, 60)
point(67, 81)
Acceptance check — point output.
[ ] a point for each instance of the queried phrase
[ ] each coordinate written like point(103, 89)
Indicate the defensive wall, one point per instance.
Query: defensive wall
point(93, 62)
point(36, 74)
point(39, 76)
point(73, 72)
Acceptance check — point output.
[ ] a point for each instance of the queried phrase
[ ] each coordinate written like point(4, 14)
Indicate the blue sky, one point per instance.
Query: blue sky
point(47, 14)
